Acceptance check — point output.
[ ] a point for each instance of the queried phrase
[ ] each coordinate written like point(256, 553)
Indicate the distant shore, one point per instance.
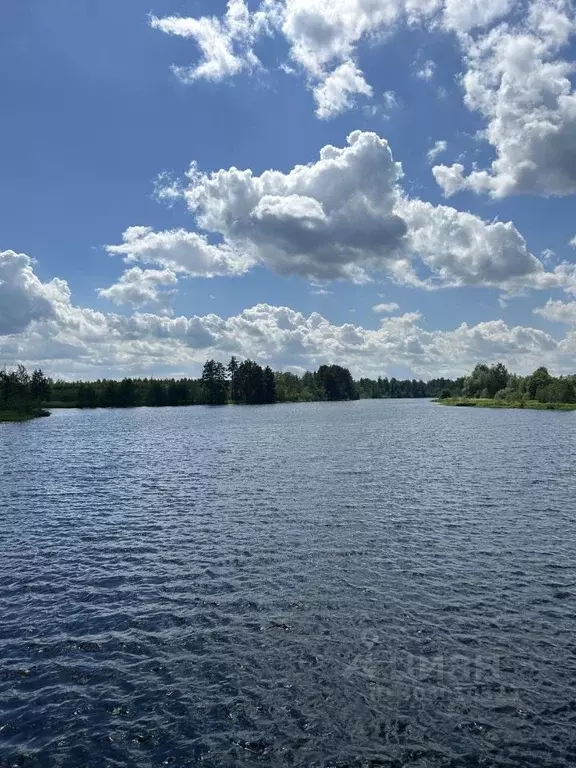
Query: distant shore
point(535, 405)
point(16, 416)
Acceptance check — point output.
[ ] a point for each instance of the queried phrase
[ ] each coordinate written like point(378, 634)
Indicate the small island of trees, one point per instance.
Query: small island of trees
point(495, 387)
point(24, 396)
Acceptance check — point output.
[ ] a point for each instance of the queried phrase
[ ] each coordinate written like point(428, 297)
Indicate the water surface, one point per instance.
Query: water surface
point(382, 583)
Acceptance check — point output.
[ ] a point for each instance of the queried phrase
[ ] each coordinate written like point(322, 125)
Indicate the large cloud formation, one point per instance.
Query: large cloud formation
point(322, 36)
point(517, 81)
point(344, 216)
point(23, 297)
point(69, 340)
point(515, 76)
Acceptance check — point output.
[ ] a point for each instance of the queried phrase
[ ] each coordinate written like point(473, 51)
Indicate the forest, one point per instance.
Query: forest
point(238, 383)
point(24, 395)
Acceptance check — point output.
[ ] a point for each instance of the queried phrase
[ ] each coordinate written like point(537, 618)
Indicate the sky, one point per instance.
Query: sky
point(383, 184)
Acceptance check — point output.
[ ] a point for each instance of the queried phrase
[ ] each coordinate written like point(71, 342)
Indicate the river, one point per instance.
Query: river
point(378, 583)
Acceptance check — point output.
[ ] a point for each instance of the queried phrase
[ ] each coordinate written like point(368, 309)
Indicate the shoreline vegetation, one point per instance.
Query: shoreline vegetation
point(237, 383)
point(495, 387)
point(25, 396)
point(534, 405)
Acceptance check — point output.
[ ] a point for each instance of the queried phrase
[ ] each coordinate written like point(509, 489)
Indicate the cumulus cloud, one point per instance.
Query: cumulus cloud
point(336, 92)
point(226, 45)
point(140, 287)
point(462, 249)
point(344, 216)
point(327, 220)
point(517, 80)
point(437, 149)
point(558, 311)
point(390, 306)
point(322, 36)
point(23, 297)
point(180, 251)
point(465, 15)
point(75, 341)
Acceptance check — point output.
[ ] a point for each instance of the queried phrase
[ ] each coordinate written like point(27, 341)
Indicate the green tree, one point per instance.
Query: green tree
point(269, 386)
point(39, 387)
point(537, 383)
point(249, 380)
point(127, 395)
point(157, 395)
point(233, 366)
point(336, 383)
point(178, 393)
point(109, 396)
point(87, 396)
point(214, 383)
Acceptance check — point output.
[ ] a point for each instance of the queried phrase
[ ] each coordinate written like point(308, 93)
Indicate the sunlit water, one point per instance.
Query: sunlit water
point(376, 583)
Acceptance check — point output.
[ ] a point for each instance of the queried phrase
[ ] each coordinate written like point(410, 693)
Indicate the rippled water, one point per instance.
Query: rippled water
point(376, 583)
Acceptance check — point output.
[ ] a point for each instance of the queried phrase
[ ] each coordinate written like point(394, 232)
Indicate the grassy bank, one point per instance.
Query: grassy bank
point(18, 416)
point(468, 402)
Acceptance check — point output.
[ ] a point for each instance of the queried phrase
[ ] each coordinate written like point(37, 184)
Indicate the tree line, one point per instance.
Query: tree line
point(22, 393)
point(248, 383)
point(495, 382)
point(239, 382)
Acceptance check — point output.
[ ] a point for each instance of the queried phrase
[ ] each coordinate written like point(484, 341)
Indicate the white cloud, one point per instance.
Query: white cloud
point(344, 217)
point(225, 44)
point(386, 307)
point(330, 219)
point(437, 149)
point(180, 251)
point(72, 341)
point(558, 311)
point(462, 249)
point(23, 297)
point(141, 287)
point(516, 79)
point(390, 100)
point(573, 242)
point(323, 38)
point(466, 15)
point(335, 94)
point(318, 289)
point(427, 71)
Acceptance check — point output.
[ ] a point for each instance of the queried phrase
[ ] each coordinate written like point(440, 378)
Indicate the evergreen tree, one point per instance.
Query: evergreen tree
point(336, 383)
point(39, 387)
point(127, 395)
point(269, 386)
point(109, 394)
point(214, 383)
point(157, 396)
point(87, 397)
point(233, 373)
point(250, 383)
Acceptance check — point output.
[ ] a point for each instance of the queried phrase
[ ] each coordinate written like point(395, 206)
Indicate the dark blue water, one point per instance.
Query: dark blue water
point(365, 584)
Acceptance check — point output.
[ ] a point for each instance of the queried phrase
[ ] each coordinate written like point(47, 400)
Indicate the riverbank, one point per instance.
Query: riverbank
point(469, 402)
point(18, 416)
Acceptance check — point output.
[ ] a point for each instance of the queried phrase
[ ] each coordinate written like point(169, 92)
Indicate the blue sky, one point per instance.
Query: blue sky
point(94, 112)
